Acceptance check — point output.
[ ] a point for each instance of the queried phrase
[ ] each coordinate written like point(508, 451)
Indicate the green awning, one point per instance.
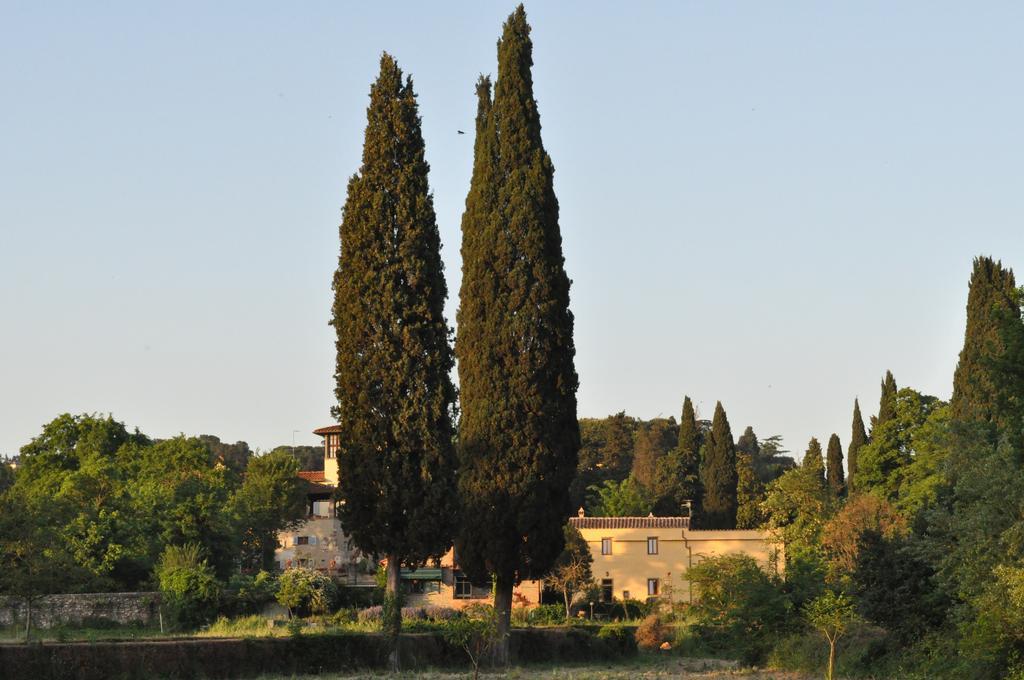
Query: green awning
point(421, 575)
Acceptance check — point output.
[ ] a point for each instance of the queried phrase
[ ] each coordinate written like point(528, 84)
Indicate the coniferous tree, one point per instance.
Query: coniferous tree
point(834, 469)
point(678, 475)
point(395, 397)
point(887, 403)
point(813, 461)
point(750, 490)
point(991, 299)
point(718, 475)
point(858, 438)
point(653, 442)
point(518, 436)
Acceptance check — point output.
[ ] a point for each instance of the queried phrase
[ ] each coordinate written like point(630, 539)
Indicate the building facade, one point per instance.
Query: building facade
point(640, 558)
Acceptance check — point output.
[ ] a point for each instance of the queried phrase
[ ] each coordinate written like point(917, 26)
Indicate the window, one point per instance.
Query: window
point(302, 540)
point(625, 594)
point(463, 588)
point(606, 546)
point(312, 540)
point(652, 587)
point(606, 590)
point(652, 545)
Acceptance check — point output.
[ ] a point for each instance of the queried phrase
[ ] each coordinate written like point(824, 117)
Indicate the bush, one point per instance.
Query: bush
point(620, 638)
point(413, 614)
point(547, 615)
point(306, 591)
point(359, 598)
point(863, 653)
point(371, 614)
point(437, 613)
point(247, 595)
point(188, 585)
point(740, 608)
point(653, 632)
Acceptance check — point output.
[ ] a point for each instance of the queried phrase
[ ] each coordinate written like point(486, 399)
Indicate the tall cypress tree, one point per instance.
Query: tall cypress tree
point(678, 475)
point(749, 487)
point(689, 437)
point(518, 434)
point(858, 438)
point(813, 462)
point(834, 469)
point(395, 398)
point(991, 298)
point(887, 402)
point(718, 475)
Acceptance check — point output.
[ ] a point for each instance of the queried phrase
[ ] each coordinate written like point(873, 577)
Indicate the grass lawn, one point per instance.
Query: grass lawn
point(644, 667)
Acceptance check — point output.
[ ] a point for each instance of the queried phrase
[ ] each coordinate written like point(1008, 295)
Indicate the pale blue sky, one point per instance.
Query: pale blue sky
point(764, 203)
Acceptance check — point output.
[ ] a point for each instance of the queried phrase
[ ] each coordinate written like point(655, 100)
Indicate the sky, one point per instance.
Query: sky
point(767, 204)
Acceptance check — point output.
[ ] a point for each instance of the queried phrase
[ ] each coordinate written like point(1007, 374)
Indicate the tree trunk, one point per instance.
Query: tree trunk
point(28, 618)
point(565, 594)
point(503, 585)
point(392, 611)
point(831, 658)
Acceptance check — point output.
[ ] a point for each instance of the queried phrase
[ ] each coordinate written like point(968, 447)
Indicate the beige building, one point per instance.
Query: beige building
point(319, 542)
point(646, 557)
point(443, 584)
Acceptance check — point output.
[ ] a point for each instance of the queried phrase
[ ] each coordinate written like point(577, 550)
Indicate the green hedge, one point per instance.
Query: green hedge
point(308, 654)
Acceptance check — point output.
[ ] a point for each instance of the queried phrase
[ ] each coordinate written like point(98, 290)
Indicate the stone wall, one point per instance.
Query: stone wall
point(85, 608)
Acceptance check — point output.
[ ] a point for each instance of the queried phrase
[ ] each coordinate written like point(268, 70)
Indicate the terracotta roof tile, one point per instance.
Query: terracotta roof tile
point(630, 522)
point(313, 475)
point(329, 429)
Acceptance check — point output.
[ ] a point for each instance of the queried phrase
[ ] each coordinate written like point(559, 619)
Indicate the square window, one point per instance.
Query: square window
point(302, 540)
point(652, 587)
point(652, 545)
point(606, 546)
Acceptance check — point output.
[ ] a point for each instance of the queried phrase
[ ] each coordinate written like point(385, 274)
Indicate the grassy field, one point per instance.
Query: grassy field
point(644, 667)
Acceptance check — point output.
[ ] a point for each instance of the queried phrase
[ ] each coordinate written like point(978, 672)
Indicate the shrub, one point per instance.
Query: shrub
point(620, 638)
point(371, 614)
point(653, 632)
point(359, 598)
point(306, 591)
point(437, 613)
point(246, 594)
point(547, 615)
point(475, 633)
point(739, 609)
point(413, 614)
point(188, 585)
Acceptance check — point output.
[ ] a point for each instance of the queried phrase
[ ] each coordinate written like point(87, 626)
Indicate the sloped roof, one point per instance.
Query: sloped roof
point(630, 522)
point(313, 475)
point(328, 429)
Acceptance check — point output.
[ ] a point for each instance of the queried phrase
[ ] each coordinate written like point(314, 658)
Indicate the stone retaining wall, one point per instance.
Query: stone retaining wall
point(78, 609)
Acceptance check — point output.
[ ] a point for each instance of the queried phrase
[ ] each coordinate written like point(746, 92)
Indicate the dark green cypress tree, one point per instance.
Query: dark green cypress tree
point(749, 487)
point(834, 469)
point(652, 444)
point(678, 475)
point(690, 438)
point(887, 403)
point(395, 397)
point(991, 299)
point(858, 438)
point(518, 436)
point(718, 475)
point(813, 462)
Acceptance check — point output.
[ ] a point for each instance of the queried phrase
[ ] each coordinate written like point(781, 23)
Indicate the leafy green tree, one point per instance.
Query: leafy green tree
point(831, 614)
point(475, 632)
point(271, 498)
point(236, 456)
point(834, 468)
point(571, 572)
point(858, 438)
point(886, 403)
point(882, 462)
point(992, 295)
point(188, 585)
point(620, 499)
point(6, 475)
point(518, 432)
point(718, 475)
point(771, 460)
point(737, 605)
point(33, 560)
point(749, 487)
point(895, 588)
point(395, 398)
point(306, 591)
point(652, 443)
point(606, 453)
